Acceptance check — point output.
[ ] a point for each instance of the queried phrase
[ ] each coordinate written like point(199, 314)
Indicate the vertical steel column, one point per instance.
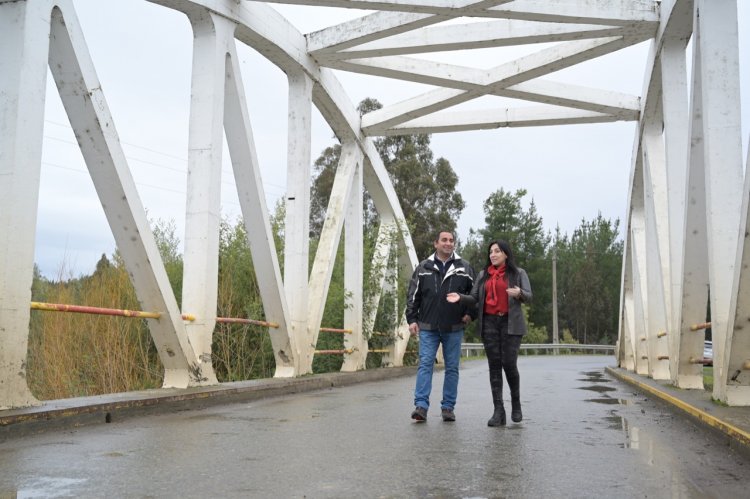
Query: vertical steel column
point(694, 292)
point(297, 221)
point(637, 239)
point(626, 346)
point(211, 33)
point(630, 309)
point(24, 46)
point(716, 24)
point(738, 340)
point(656, 247)
point(397, 350)
point(353, 275)
point(676, 132)
point(379, 273)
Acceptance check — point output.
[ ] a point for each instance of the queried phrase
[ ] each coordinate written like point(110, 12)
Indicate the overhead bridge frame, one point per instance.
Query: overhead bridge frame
point(686, 148)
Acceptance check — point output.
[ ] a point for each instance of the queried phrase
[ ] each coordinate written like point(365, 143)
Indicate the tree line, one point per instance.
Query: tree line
point(589, 264)
point(78, 355)
point(589, 260)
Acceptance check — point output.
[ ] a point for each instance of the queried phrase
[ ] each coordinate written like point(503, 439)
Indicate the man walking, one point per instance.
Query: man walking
point(438, 322)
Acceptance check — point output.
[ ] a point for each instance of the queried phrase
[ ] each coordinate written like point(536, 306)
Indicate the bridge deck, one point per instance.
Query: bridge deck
point(585, 433)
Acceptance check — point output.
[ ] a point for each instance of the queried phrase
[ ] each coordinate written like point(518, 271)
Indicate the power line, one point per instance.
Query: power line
point(271, 185)
point(63, 125)
point(142, 184)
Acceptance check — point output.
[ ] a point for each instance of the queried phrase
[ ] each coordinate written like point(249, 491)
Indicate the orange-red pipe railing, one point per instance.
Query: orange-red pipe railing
point(335, 330)
point(80, 309)
point(139, 314)
point(233, 320)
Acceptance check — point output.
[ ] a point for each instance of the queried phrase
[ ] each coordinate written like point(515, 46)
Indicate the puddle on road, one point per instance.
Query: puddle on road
point(609, 401)
point(615, 422)
point(648, 447)
point(634, 438)
point(632, 435)
point(594, 377)
point(655, 454)
point(597, 388)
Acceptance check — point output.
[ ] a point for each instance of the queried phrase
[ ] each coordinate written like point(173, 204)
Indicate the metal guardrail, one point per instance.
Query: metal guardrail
point(468, 349)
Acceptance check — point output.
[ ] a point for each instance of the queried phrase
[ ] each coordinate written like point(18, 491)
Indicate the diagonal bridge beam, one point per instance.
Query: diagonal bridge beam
point(521, 70)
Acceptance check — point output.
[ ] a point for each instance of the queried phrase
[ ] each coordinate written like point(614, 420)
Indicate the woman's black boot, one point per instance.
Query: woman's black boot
point(498, 417)
point(515, 412)
point(514, 383)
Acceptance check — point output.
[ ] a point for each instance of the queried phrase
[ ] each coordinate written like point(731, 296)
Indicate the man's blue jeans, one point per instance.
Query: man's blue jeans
point(428, 346)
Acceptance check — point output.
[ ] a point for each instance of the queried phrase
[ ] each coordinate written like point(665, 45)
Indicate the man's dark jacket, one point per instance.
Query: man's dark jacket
point(426, 303)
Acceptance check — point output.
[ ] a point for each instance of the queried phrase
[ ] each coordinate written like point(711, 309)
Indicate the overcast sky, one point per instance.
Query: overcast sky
point(142, 53)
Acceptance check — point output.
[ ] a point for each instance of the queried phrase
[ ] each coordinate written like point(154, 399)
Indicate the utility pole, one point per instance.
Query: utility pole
point(555, 331)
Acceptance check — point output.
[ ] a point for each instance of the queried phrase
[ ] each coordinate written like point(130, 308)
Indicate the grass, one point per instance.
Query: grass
point(74, 355)
point(708, 378)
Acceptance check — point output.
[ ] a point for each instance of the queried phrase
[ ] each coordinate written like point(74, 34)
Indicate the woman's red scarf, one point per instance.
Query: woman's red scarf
point(496, 299)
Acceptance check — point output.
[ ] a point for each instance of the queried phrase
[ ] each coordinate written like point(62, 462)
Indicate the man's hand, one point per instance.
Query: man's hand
point(466, 319)
point(414, 328)
point(452, 297)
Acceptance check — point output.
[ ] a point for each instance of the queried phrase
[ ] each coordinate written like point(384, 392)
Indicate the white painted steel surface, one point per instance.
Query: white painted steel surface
point(690, 196)
point(687, 216)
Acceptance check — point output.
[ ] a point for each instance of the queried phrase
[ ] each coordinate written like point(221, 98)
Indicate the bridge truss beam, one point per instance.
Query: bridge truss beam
point(687, 208)
point(686, 247)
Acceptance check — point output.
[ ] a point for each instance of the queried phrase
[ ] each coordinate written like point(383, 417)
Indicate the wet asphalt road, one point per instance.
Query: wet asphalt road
point(584, 434)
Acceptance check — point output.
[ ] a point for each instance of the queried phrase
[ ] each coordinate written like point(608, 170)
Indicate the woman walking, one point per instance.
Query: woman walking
point(499, 291)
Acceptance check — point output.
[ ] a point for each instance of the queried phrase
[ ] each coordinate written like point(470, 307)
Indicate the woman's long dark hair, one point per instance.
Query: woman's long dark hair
point(510, 261)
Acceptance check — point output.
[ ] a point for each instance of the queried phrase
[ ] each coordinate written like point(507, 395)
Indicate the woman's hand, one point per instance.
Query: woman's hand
point(514, 292)
point(452, 297)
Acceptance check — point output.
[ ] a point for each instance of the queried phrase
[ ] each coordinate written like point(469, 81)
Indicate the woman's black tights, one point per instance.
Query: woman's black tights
point(502, 355)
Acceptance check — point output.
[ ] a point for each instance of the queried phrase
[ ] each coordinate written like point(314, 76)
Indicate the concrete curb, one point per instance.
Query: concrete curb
point(738, 438)
point(76, 412)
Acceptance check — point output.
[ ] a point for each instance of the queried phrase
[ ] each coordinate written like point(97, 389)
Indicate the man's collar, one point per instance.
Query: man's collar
point(453, 256)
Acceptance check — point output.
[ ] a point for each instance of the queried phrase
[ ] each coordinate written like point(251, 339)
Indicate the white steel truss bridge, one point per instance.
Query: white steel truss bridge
point(687, 215)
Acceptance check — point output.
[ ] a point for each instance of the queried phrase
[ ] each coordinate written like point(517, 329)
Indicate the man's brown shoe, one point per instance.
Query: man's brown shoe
point(448, 415)
point(419, 414)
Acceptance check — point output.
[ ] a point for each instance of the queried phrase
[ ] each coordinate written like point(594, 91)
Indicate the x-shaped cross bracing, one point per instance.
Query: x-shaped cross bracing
point(376, 43)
